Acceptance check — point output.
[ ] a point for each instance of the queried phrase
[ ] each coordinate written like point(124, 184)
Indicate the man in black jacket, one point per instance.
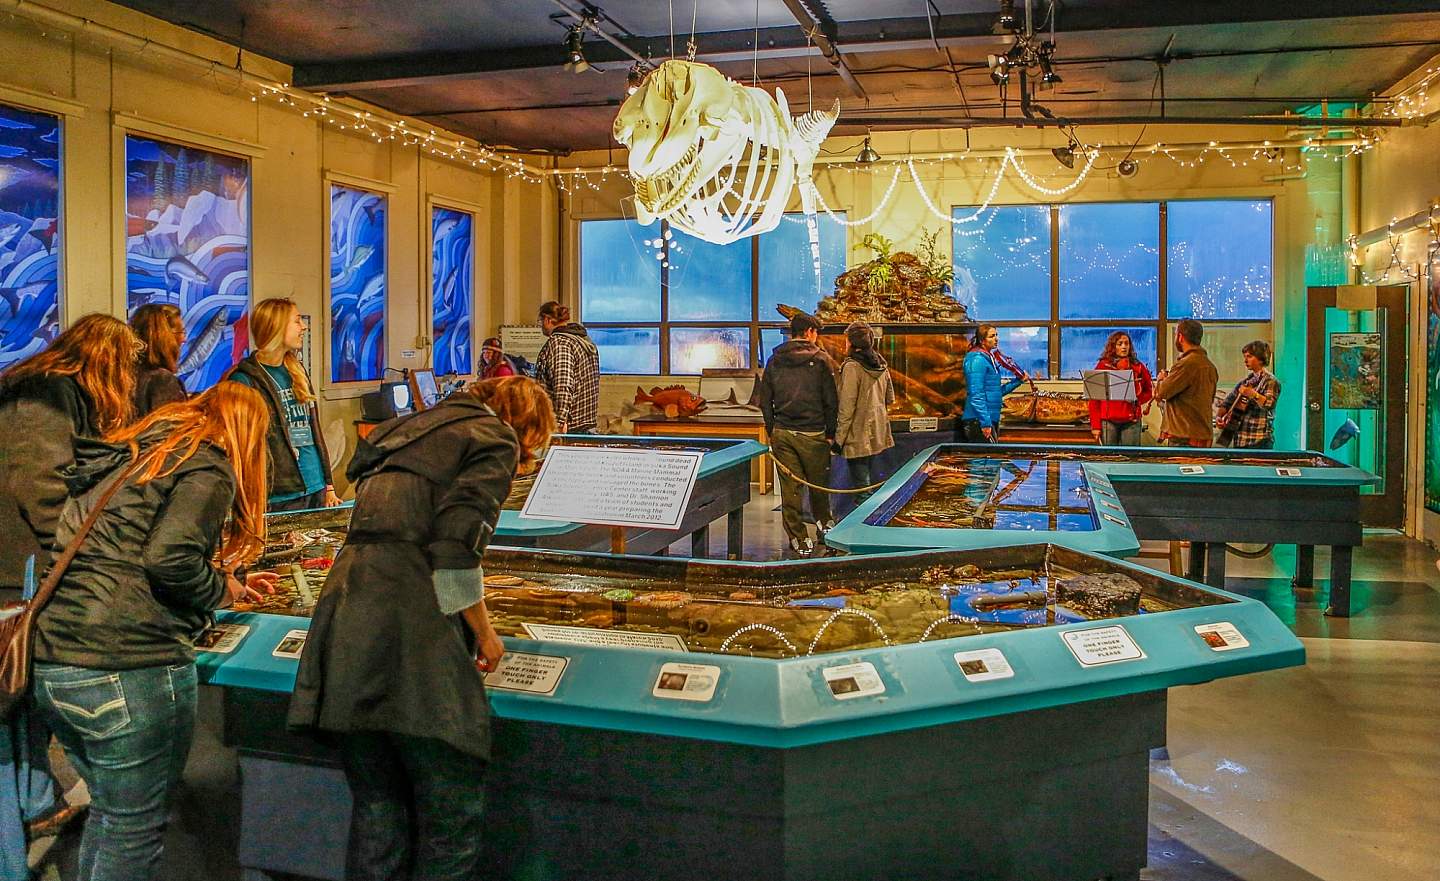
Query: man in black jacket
point(801, 407)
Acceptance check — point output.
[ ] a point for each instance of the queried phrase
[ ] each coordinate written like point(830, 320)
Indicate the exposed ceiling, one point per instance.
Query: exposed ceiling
point(493, 70)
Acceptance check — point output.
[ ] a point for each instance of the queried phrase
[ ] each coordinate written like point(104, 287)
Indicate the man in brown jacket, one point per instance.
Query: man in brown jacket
point(1188, 391)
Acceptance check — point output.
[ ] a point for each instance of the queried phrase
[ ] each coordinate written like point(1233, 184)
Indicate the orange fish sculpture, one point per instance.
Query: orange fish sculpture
point(674, 400)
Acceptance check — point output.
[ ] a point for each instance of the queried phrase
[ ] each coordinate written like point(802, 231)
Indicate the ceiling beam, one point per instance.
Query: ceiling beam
point(820, 28)
point(881, 35)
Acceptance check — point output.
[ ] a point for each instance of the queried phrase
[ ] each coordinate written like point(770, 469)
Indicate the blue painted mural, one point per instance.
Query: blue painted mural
point(357, 284)
point(452, 288)
point(29, 232)
point(187, 242)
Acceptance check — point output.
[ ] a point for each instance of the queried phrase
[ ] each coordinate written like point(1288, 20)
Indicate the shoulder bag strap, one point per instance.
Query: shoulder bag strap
point(52, 577)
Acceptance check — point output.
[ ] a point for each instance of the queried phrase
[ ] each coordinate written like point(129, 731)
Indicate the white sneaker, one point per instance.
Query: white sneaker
point(802, 547)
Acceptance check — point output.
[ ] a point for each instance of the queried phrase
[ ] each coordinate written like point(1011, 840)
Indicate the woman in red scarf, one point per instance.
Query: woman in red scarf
point(1117, 423)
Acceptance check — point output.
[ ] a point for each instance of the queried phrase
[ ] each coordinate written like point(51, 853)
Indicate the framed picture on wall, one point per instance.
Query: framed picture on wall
point(30, 241)
point(357, 284)
point(452, 288)
point(187, 243)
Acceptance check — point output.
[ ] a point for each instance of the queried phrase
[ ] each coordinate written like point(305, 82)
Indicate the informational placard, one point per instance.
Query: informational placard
point(532, 674)
point(292, 645)
point(920, 424)
point(853, 680)
point(983, 665)
point(687, 682)
point(1222, 636)
point(1102, 645)
point(622, 639)
point(1112, 506)
point(1288, 472)
point(1192, 469)
point(615, 487)
point(524, 340)
point(221, 639)
point(1113, 519)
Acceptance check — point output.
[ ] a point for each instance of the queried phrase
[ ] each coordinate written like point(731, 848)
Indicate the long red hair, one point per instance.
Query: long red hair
point(522, 404)
point(160, 327)
point(100, 352)
point(233, 417)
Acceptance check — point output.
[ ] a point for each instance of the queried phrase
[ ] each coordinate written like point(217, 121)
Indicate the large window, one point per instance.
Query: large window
point(659, 301)
point(1058, 280)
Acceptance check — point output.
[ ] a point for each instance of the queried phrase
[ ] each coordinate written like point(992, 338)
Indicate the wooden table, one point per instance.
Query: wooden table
point(1036, 433)
point(750, 427)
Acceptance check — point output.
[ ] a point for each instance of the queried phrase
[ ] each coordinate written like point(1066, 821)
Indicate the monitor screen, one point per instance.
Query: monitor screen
point(425, 387)
point(400, 396)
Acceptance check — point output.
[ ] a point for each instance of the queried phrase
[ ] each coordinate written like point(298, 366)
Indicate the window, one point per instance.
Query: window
point(30, 239)
point(659, 301)
point(1058, 280)
point(452, 288)
point(357, 284)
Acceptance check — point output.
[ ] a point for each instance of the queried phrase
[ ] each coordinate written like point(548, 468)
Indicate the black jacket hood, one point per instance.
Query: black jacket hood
point(793, 353)
point(395, 435)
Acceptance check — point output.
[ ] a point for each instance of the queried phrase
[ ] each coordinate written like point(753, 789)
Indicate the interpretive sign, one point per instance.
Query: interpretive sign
point(1102, 645)
point(525, 340)
point(853, 680)
point(687, 682)
point(533, 674)
point(983, 665)
point(616, 487)
point(622, 639)
point(1222, 636)
point(292, 645)
point(919, 424)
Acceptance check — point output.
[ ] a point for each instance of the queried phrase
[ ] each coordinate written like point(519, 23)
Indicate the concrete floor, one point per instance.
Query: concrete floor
point(1327, 772)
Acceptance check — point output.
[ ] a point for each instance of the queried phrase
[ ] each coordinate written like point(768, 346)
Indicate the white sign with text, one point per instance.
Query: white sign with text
point(1103, 645)
point(614, 487)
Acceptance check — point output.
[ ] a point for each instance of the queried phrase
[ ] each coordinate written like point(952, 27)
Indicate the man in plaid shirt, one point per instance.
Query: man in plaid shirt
point(1249, 409)
point(569, 368)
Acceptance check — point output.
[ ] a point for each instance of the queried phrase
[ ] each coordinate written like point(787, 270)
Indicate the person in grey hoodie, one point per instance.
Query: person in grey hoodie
point(866, 392)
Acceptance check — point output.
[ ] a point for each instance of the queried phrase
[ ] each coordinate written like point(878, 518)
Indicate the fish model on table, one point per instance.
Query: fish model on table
point(673, 400)
point(204, 345)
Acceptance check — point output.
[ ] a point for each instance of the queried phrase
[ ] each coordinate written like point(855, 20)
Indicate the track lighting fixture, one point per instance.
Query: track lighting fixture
point(867, 154)
point(1005, 21)
point(1065, 156)
point(636, 77)
point(575, 49)
point(999, 69)
point(1127, 167)
point(1031, 57)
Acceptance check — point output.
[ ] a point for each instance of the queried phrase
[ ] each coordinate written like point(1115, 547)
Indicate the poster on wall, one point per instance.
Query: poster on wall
point(1432, 390)
point(357, 284)
point(187, 243)
point(29, 232)
point(452, 287)
point(1355, 371)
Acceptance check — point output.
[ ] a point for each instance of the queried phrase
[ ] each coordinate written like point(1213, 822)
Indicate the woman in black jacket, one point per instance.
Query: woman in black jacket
point(390, 663)
point(80, 386)
point(114, 668)
point(162, 329)
point(299, 461)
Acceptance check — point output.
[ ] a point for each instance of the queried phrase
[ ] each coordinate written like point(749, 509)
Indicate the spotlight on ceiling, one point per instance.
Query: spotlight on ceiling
point(1065, 155)
point(1127, 167)
point(867, 154)
point(636, 77)
point(575, 49)
point(1005, 21)
point(1048, 76)
point(999, 68)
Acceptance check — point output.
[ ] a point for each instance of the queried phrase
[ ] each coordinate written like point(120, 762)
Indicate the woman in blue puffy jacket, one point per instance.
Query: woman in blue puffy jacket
point(980, 423)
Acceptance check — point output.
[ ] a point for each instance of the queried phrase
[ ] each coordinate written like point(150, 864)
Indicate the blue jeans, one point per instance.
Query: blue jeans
point(128, 733)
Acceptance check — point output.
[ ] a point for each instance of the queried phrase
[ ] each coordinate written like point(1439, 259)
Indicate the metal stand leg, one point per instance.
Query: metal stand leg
point(1195, 570)
point(1339, 581)
point(700, 542)
point(1304, 567)
point(1215, 564)
point(735, 534)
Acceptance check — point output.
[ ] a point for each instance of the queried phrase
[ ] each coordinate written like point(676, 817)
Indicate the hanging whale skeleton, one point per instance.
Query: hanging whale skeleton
point(718, 159)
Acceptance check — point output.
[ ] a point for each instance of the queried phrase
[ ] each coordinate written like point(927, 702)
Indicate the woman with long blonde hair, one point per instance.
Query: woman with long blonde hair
point(161, 327)
point(114, 668)
point(390, 668)
point(299, 461)
point(80, 386)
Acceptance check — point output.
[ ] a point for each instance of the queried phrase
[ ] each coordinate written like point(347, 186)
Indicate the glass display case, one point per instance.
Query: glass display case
point(927, 365)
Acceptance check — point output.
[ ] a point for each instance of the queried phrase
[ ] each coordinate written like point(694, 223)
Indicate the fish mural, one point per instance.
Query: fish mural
point(188, 244)
point(357, 284)
point(30, 240)
point(452, 289)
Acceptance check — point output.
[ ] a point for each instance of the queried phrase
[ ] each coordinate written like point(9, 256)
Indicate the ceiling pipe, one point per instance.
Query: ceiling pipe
point(816, 31)
point(905, 122)
point(1400, 226)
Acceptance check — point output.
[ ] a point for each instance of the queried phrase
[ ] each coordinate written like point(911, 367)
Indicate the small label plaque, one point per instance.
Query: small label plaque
point(292, 645)
point(919, 424)
point(1288, 472)
point(221, 639)
point(686, 682)
point(1222, 636)
point(853, 680)
point(624, 639)
point(532, 674)
point(1192, 469)
point(983, 665)
point(1102, 645)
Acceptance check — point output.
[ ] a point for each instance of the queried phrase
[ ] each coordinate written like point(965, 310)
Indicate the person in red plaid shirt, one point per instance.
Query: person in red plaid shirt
point(1246, 416)
point(568, 366)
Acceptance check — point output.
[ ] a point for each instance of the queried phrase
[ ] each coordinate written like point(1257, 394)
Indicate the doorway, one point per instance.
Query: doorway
point(1355, 357)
